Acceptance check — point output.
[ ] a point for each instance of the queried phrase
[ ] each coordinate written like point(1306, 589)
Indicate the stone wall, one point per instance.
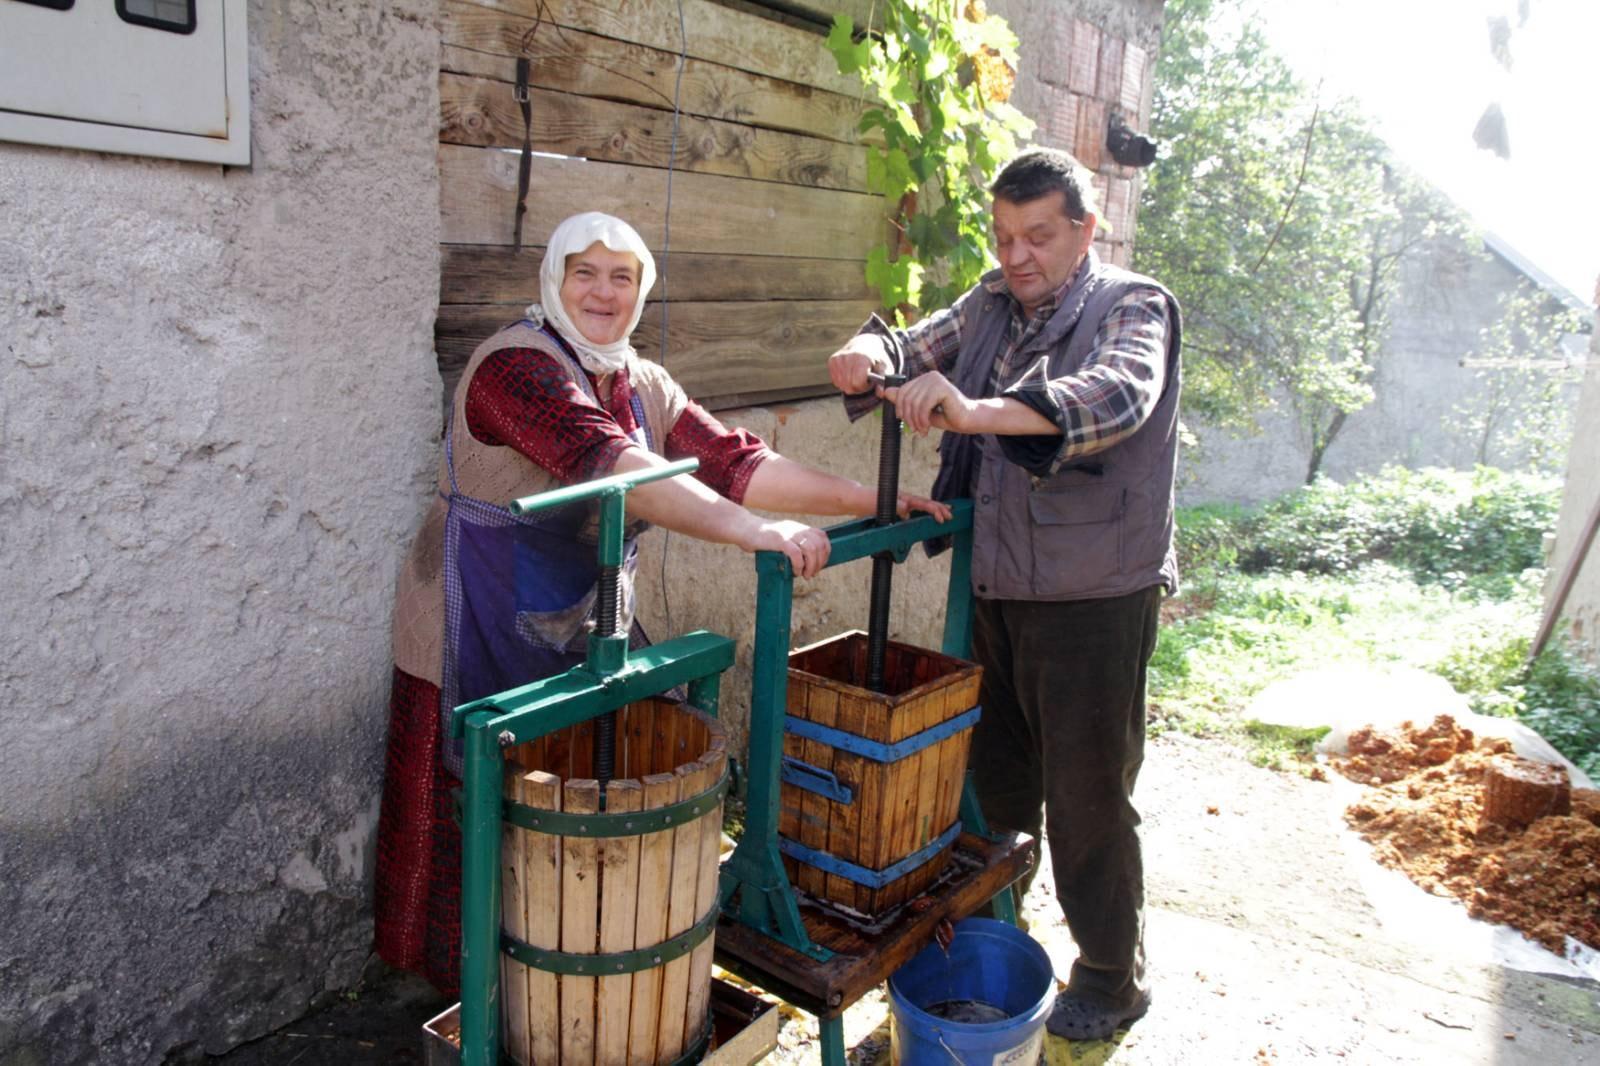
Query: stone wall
point(1446, 294)
point(1079, 63)
point(214, 393)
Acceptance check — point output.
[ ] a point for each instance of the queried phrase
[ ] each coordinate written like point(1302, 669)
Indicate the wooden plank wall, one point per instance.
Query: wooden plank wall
point(770, 221)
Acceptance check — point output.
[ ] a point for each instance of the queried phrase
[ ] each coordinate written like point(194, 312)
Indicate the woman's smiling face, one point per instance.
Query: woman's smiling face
point(599, 291)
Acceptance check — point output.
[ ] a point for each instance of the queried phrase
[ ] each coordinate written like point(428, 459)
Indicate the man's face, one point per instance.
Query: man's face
point(1039, 247)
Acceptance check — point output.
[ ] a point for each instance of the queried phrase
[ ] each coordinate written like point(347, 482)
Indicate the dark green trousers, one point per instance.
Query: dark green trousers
point(1060, 743)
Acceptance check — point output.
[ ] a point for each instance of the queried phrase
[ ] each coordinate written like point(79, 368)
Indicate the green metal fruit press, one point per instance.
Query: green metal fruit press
point(592, 895)
point(591, 822)
point(861, 830)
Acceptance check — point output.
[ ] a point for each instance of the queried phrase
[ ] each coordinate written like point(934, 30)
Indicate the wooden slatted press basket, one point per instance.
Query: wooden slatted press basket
point(871, 793)
point(607, 915)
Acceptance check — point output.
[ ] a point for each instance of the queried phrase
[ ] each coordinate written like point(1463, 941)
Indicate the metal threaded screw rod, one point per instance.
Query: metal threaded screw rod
point(883, 562)
point(608, 609)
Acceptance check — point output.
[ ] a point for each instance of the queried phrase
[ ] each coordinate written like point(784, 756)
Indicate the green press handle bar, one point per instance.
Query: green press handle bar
point(604, 486)
point(862, 538)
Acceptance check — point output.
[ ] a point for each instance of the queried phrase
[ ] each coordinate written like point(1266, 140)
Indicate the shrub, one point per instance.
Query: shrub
point(1207, 537)
point(1558, 697)
point(1561, 702)
point(1487, 669)
point(1453, 528)
point(1436, 569)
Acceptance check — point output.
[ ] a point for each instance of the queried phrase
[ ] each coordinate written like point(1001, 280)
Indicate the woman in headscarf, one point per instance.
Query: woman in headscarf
point(488, 600)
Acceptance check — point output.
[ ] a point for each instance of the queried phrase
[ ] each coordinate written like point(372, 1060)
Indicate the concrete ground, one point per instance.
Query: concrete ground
point(1272, 938)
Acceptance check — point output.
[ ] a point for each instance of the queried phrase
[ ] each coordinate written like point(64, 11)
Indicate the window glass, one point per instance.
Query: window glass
point(174, 15)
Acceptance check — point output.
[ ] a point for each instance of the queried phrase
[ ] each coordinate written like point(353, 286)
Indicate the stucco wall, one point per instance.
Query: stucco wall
point(210, 462)
point(1582, 495)
point(1445, 295)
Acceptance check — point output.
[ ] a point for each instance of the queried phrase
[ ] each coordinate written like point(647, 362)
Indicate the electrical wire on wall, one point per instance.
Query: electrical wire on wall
point(666, 256)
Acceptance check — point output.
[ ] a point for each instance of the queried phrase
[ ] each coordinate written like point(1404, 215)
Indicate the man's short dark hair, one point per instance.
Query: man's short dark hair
point(1041, 171)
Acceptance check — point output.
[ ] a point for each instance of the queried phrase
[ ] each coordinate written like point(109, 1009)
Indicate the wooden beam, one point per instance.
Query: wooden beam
point(711, 212)
point(861, 960)
point(485, 43)
point(492, 274)
point(481, 112)
point(1563, 586)
point(713, 349)
point(768, 398)
point(708, 31)
point(720, 348)
point(822, 11)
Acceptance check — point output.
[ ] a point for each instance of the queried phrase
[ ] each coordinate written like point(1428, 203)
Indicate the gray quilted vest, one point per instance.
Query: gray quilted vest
point(1101, 526)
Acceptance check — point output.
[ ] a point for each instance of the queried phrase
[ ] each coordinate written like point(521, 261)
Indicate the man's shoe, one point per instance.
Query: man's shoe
point(1078, 1018)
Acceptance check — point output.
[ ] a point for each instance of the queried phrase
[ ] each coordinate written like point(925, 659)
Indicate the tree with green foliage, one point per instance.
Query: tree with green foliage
point(939, 73)
point(1279, 220)
point(1410, 215)
point(1521, 410)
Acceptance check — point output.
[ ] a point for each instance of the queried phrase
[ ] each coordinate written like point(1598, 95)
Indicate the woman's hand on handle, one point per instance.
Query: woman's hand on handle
point(806, 546)
point(686, 505)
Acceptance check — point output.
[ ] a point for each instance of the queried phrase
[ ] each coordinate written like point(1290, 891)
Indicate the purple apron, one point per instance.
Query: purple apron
point(519, 590)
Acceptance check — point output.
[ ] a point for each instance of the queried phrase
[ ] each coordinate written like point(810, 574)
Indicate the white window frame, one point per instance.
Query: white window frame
point(231, 150)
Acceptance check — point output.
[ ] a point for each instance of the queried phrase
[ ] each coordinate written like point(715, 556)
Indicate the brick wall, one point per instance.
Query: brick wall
point(1081, 63)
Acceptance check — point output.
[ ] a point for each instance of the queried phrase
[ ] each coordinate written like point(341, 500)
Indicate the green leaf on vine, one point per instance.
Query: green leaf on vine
point(942, 140)
point(850, 54)
point(898, 177)
point(890, 279)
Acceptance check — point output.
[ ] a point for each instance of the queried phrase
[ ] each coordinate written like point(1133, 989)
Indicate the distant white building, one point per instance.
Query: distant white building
point(1431, 386)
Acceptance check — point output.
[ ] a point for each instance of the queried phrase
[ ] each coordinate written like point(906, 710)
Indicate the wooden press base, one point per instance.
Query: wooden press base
point(863, 960)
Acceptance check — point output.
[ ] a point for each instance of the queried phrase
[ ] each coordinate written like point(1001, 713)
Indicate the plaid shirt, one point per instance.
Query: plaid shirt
point(1105, 402)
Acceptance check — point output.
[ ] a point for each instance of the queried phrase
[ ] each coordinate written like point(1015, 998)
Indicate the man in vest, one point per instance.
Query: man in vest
point(1055, 380)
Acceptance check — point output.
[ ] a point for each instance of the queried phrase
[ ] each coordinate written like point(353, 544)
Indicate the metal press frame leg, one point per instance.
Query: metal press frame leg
point(832, 1040)
point(480, 890)
point(958, 643)
point(706, 694)
point(755, 870)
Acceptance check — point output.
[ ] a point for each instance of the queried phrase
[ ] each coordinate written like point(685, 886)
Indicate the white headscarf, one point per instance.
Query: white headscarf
point(571, 237)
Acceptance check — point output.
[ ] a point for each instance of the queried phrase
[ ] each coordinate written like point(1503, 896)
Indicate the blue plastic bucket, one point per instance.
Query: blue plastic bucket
point(989, 962)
